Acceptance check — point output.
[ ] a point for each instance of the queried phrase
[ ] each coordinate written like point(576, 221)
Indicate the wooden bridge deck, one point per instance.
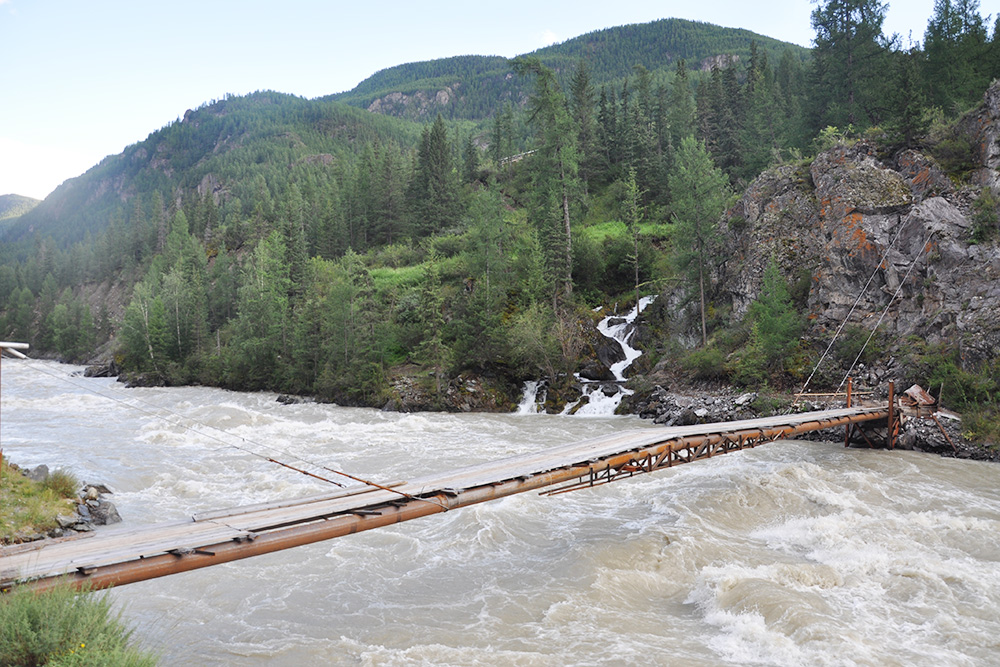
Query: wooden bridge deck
point(125, 554)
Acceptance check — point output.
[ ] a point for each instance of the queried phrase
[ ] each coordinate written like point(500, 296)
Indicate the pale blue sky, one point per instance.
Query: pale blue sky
point(83, 79)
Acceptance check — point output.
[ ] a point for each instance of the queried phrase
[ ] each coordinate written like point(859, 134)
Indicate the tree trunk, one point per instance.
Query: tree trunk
point(701, 287)
point(568, 285)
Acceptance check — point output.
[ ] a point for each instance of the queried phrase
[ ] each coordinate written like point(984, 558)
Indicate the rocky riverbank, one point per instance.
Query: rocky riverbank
point(942, 436)
point(90, 507)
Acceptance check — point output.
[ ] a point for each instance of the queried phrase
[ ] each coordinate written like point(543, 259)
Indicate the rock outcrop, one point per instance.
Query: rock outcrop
point(876, 234)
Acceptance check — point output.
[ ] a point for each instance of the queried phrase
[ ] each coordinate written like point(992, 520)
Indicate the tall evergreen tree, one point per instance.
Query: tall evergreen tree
point(956, 64)
point(848, 63)
point(682, 108)
point(433, 194)
point(582, 109)
point(700, 193)
point(502, 139)
point(554, 170)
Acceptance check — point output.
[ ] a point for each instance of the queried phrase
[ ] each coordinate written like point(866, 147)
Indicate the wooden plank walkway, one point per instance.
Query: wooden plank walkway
point(123, 554)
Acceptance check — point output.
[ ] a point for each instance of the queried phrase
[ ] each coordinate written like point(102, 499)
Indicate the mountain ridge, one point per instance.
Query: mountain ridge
point(14, 205)
point(181, 155)
point(611, 54)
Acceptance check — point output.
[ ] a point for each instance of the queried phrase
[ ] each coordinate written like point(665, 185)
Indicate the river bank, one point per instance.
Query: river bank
point(36, 504)
point(605, 386)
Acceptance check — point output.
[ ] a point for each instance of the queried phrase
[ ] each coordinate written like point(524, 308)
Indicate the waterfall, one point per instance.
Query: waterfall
point(529, 404)
point(602, 398)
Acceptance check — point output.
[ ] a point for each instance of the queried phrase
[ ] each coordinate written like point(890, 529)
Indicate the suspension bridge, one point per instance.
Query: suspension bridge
point(127, 554)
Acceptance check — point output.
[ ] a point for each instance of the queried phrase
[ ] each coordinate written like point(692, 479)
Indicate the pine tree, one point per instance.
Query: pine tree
point(909, 121)
point(554, 171)
point(777, 323)
point(433, 193)
point(956, 67)
point(848, 63)
point(682, 109)
point(700, 193)
point(502, 139)
point(470, 161)
point(632, 216)
point(582, 109)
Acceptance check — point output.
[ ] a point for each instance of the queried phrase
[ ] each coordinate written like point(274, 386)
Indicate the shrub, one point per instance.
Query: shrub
point(851, 342)
point(984, 217)
point(982, 423)
point(749, 365)
point(62, 483)
point(707, 363)
point(64, 627)
point(767, 404)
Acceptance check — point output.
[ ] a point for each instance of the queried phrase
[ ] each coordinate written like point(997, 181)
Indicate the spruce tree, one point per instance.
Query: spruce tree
point(433, 192)
point(582, 109)
point(700, 193)
point(848, 63)
point(554, 171)
point(682, 109)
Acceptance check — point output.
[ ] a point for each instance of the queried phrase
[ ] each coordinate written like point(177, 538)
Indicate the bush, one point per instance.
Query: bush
point(64, 627)
point(62, 483)
point(850, 343)
point(707, 363)
point(767, 404)
point(960, 388)
point(982, 424)
point(749, 365)
point(984, 217)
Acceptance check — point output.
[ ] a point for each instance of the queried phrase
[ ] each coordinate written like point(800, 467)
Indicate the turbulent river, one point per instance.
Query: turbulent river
point(793, 553)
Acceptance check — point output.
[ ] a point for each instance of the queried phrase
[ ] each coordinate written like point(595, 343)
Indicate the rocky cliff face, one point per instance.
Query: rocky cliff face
point(417, 105)
point(894, 229)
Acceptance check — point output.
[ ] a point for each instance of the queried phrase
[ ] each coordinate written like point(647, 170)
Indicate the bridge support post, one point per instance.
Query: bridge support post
point(892, 415)
point(847, 429)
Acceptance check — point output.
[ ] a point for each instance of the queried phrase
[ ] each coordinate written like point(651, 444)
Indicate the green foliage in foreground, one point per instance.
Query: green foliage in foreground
point(64, 627)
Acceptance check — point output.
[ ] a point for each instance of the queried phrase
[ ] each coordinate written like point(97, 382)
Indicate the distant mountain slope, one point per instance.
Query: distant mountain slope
point(472, 87)
point(225, 145)
point(11, 206)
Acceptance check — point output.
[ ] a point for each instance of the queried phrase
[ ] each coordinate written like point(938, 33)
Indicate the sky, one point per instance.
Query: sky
point(83, 79)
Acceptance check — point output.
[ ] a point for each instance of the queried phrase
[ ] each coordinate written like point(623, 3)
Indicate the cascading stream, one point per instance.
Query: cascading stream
point(603, 398)
point(599, 398)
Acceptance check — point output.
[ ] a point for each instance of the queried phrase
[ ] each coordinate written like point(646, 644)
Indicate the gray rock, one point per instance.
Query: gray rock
point(687, 417)
point(39, 473)
point(106, 514)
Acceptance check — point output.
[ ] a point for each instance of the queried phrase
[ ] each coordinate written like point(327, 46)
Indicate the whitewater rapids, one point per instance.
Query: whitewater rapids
point(793, 553)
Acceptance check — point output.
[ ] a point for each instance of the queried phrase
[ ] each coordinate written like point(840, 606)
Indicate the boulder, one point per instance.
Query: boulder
point(105, 514)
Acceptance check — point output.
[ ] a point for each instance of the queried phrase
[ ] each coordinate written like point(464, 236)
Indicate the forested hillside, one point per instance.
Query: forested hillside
point(474, 87)
point(11, 206)
point(310, 246)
